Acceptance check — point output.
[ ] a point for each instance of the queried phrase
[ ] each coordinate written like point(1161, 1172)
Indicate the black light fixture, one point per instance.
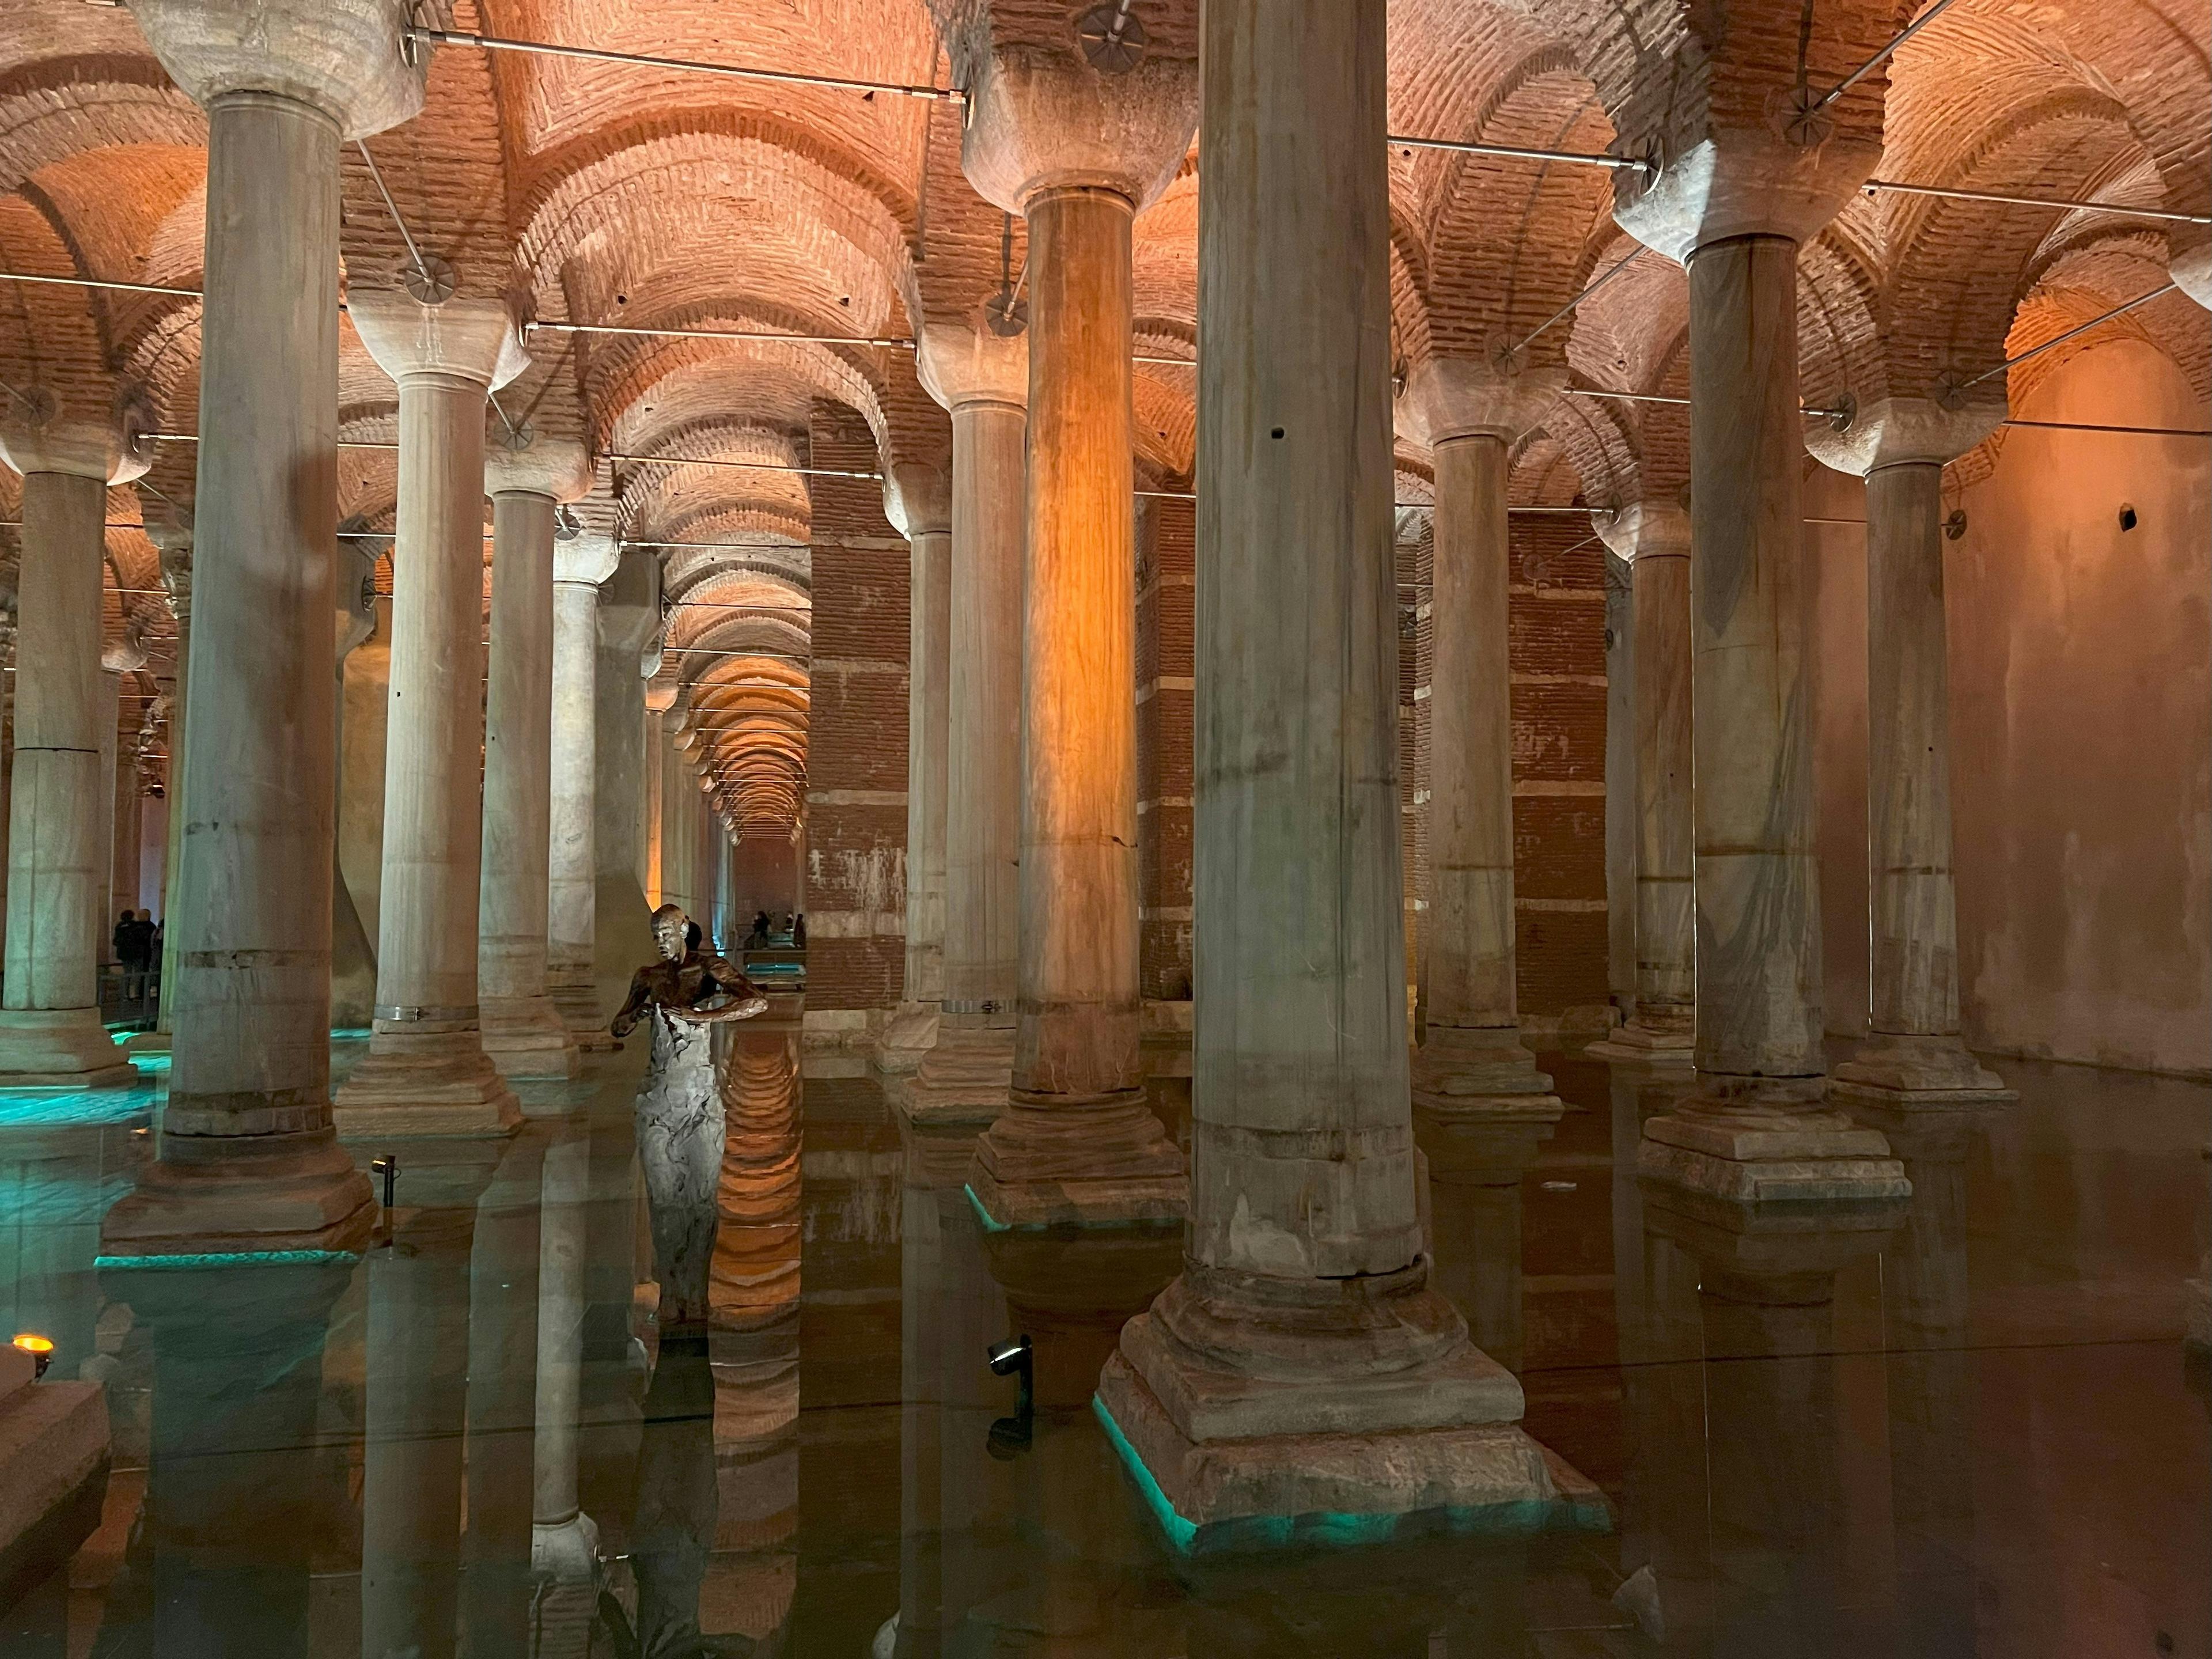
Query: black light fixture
point(387, 1166)
point(1009, 1436)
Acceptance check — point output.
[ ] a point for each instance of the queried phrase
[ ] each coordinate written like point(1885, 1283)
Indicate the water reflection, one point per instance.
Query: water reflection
point(1957, 1428)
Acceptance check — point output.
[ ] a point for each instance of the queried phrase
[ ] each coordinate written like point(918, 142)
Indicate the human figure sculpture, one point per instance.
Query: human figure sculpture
point(679, 1105)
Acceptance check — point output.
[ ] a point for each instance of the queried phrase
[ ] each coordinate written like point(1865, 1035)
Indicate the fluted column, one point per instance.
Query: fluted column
point(572, 889)
point(1913, 1054)
point(1754, 1129)
point(58, 853)
point(1654, 539)
point(523, 1031)
point(426, 1072)
point(923, 498)
point(1077, 153)
point(1304, 1308)
point(1473, 1059)
point(982, 376)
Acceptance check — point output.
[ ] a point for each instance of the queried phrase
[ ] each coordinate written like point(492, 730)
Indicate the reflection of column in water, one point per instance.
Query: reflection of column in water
point(676, 1498)
point(1476, 1161)
point(925, 1326)
point(755, 1345)
point(1931, 1384)
point(976, 1491)
point(563, 1542)
point(232, 1489)
point(755, 1276)
point(502, 1359)
point(417, 1379)
point(1774, 1519)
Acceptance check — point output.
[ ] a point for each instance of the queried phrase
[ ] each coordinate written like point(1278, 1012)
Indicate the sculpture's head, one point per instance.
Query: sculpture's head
point(669, 925)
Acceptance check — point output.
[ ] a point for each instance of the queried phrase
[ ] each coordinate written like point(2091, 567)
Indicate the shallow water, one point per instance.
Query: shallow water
point(1966, 1428)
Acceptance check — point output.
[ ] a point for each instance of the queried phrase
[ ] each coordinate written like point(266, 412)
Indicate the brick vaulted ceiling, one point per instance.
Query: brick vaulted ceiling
point(596, 192)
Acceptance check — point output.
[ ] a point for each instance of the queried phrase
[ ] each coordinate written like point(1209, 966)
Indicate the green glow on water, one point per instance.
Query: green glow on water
point(230, 1259)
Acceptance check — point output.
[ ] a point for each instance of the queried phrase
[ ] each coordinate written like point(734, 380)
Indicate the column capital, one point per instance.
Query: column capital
point(959, 364)
point(126, 655)
point(918, 500)
point(1449, 398)
point(1645, 530)
point(585, 561)
point(1743, 182)
point(474, 340)
point(342, 56)
point(2191, 268)
point(528, 465)
point(1893, 430)
point(1042, 117)
point(354, 590)
point(56, 433)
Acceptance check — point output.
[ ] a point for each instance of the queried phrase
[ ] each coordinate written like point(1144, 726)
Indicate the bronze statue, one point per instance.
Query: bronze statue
point(679, 1105)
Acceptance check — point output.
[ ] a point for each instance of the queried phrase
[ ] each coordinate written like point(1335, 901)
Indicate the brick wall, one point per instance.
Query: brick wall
point(856, 841)
point(1166, 545)
point(1557, 621)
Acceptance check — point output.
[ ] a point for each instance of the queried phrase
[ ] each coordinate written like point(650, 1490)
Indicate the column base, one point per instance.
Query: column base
point(1480, 1070)
point(212, 1197)
point(566, 1553)
point(414, 1084)
point(907, 1037)
point(578, 1004)
point(147, 1042)
point(1907, 1071)
point(1098, 1160)
point(1259, 1412)
point(526, 1036)
point(1772, 1145)
point(60, 1049)
point(1664, 1038)
point(53, 1468)
point(964, 1079)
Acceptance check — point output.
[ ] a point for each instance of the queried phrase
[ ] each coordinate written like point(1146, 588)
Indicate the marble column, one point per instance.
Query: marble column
point(352, 957)
point(1472, 1059)
point(108, 714)
point(173, 539)
point(1913, 1054)
point(923, 500)
point(248, 1161)
point(58, 857)
point(426, 1071)
point(1755, 1128)
point(572, 890)
point(1654, 539)
point(983, 377)
point(523, 1031)
point(1304, 1307)
point(1077, 1142)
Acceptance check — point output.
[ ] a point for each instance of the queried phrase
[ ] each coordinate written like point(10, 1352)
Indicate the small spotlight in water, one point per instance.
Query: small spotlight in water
point(1009, 1436)
point(40, 1348)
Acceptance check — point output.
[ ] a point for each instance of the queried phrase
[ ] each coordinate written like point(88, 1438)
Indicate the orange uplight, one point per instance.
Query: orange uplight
point(40, 1348)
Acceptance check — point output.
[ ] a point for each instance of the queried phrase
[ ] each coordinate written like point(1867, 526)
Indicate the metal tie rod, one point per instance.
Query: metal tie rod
point(770, 336)
point(1880, 58)
point(637, 60)
point(2117, 208)
point(749, 466)
point(1476, 147)
point(2158, 292)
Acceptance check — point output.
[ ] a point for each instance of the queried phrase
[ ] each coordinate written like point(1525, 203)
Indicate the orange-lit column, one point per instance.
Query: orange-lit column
point(1077, 1141)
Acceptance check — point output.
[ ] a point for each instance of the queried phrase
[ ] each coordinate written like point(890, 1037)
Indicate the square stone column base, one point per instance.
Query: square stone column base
point(262, 1196)
point(60, 1049)
point(964, 1080)
point(1088, 1163)
point(422, 1085)
point(53, 1471)
point(1904, 1072)
point(1640, 1044)
point(1301, 1487)
point(579, 1007)
point(526, 1036)
point(1751, 1157)
point(906, 1038)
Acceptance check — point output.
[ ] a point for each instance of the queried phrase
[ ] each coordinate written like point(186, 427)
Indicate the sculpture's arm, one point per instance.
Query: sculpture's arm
point(641, 996)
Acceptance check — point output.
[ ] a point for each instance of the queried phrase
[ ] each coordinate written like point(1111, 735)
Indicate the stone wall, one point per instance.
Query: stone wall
point(1166, 560)
point(2081, 740)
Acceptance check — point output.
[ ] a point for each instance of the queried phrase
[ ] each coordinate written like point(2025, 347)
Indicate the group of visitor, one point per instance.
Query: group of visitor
point(137, 942)
point(762, 936)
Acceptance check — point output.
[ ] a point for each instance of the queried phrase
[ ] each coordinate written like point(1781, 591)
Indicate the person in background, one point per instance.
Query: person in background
point(799, 932)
